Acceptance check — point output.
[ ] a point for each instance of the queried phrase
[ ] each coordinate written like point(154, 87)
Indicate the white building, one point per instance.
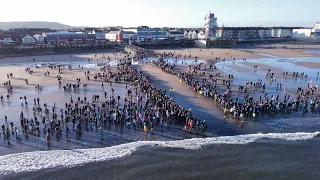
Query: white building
point(112, 35)
point(189, 34)
point(39, 38)
point(210, 25)
point(308, 34)
point(185, 34)
point(121, 36)
point(202, 35)
point(192, 34)
point(145, 33)
point(302, 33)
point(281, 32)
point(28, 40)
point(315, 32)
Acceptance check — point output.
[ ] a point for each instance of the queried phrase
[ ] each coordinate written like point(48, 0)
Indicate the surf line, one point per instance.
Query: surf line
point(36, 160)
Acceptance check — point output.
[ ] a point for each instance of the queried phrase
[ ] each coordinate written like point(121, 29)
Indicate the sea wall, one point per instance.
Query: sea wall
point(200, 43)
point(219, 43)
point(254, 41)
point(216, 43)
point(307, 40)
point(37, 51)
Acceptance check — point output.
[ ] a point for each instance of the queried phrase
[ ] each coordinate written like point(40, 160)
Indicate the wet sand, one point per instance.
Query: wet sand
point(216, 53)
point(313, 65)
point(286, 49)
point(262, 66)
point(59, 58)
point(202, 107)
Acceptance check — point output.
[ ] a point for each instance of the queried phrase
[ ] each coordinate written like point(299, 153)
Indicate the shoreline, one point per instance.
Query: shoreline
point(184, 96)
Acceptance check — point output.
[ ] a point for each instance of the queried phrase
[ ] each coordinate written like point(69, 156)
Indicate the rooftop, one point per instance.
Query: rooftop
point(176, 32)
point(254, 28)
point(113, 32)
point(128, 32)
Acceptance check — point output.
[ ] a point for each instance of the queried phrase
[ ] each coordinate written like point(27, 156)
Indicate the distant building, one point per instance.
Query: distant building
point(210, 26)
point(264, 33)
point(176, 35)
point(128, 36)
point(219, 32)
point(39, 38)
point(10, 36)
point(248, 33)
point(192, 34)
point(315, 32)
point(112, 36)
point(302, 33)
point(28, 40)
point(144, 33)
point(281, 32)
point(307, 33)
point(99, 34)
point(124, 35)
point(69, 37)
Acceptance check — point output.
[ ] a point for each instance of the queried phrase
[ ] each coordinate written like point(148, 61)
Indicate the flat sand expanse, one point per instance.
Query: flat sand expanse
point(313, 65)
point(262, 66)
point(60, 58)
point(7, 66)
point(287, 49)
point(210, 54)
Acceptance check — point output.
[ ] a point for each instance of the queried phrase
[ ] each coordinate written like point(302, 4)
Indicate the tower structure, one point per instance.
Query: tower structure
point(210, 25)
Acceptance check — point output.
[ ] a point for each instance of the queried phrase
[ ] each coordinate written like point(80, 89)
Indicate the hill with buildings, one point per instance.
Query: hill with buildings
point(33, 24)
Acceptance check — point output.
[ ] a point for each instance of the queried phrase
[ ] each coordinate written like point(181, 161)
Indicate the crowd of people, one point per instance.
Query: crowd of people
point(143, 107)
point(248, 107)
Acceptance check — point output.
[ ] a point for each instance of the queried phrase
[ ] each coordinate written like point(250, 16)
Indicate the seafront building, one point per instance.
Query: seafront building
point(176, 35)
point(210, 26)
point(121, 36)
point(307, 34)
point(69, 38)
point(29, 40)
point(212, 31)
point(145, 34)
point(245, 33)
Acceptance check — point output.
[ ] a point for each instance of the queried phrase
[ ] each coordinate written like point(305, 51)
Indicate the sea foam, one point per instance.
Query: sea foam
point(31, 161)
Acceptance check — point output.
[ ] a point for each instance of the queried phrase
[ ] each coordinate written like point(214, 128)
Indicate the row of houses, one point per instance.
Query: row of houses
point(244, 33)
point(139, 34)
point(79, 36)
point(144, 33)
point(30, 36)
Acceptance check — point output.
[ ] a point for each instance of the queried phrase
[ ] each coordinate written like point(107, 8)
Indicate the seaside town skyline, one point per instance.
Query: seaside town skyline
point(177, 13)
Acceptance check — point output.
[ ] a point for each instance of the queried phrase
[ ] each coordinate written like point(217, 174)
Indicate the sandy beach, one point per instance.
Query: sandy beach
point(212, 54)
point(285, 50)
point(313, 65)
point(204, 108)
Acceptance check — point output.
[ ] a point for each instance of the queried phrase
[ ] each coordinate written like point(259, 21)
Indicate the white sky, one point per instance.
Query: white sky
point(170, 13)
point(78, 13)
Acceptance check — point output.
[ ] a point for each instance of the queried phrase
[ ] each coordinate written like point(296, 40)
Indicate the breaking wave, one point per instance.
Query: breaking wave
point(31, 161)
